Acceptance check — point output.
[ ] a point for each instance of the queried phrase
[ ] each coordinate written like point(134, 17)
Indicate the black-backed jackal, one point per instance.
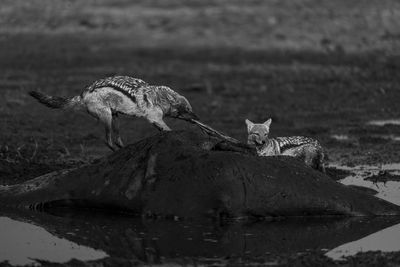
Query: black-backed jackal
point(307, 149)
point(106, 98)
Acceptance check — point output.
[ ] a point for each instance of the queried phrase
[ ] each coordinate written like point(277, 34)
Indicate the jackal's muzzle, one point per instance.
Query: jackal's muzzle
point(255, 140)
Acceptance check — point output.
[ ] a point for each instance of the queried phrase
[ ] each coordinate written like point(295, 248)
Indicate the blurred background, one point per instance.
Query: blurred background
point(251, 24)
point(322, 69)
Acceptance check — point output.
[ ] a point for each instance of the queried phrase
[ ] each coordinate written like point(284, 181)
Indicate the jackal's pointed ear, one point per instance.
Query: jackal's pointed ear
point(249, 125)
point(268, 123)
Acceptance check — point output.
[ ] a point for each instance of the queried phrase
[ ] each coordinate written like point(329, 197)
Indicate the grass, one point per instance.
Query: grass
point(251, 24)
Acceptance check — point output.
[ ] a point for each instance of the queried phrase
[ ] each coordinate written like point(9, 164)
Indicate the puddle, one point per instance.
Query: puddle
point(383, 137)
point(386, 240)
point(346, 138)
point(384, 122)
point(340, 137)
point(391, 137)
point(26, 235)
point(21, 243)
point(387, 190)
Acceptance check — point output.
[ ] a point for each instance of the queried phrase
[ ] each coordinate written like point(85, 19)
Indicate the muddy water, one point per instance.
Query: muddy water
point(368, 176)
point(60, 237)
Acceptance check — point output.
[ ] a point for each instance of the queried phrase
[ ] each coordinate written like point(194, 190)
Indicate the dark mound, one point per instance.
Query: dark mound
point(187, 174)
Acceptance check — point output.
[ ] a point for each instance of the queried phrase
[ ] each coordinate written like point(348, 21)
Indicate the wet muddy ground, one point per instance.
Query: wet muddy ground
point(331, 97)
point(345, 98)
point(340, 99)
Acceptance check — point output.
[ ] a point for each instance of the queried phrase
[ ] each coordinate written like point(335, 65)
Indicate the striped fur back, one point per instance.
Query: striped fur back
point(288, 142)
point(132, 87)
point(124, 84)
point(145, 95)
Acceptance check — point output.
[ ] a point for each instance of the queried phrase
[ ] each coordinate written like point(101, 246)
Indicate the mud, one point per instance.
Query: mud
point(384, 177)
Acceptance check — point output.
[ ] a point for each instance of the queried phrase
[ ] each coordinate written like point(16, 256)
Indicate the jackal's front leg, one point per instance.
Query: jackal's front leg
point(108, 140)
point(160, 125)
point(115, 127)
point(106, 118)
point(156, 118)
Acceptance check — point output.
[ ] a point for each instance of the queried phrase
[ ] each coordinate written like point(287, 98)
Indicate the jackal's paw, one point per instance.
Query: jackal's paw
point(110, 146)
point(119, 143)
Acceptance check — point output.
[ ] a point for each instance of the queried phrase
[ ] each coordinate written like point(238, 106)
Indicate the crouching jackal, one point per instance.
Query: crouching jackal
point(307, 149)
point(106, 98)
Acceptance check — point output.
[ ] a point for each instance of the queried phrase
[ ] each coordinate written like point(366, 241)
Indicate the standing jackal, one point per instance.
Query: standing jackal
point(307, 149)
point(106, 98)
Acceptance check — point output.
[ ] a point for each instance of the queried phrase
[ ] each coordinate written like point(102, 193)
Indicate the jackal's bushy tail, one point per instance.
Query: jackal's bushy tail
point(56, 101)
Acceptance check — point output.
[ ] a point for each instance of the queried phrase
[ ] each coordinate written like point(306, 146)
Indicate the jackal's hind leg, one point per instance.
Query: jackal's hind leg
point(104, 115)
point(115, 127)
point(314, 158)
point(310, 156)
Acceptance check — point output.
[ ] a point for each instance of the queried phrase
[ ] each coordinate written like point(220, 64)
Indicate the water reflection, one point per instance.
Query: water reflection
point(386, 240)
point(158, 241)
point(23, 242)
